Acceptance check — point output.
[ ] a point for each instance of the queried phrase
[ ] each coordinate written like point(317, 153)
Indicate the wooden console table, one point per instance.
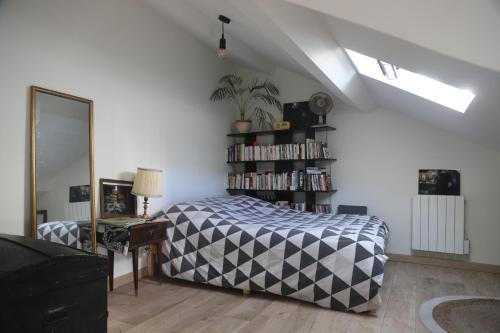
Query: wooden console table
point(150, 233)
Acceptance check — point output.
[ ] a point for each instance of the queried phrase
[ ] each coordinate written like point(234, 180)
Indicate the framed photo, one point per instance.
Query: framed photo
point(79, 193)
point(116, 198)
point(438, 182)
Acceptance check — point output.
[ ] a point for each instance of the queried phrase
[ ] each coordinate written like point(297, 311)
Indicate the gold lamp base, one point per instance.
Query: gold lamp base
point(145, 215)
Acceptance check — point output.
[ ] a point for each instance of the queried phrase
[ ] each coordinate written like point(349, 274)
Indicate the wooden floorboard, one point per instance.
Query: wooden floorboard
point(179, 306)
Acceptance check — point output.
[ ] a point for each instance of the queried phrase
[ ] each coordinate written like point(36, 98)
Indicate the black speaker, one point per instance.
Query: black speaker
point(299, 115)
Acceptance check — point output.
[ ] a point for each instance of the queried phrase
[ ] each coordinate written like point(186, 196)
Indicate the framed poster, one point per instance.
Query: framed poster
point(116, 198)
point(79, 193)
point(438, 182)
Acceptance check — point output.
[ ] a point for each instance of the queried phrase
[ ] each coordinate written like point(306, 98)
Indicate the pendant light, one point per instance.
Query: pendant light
point(222, 41)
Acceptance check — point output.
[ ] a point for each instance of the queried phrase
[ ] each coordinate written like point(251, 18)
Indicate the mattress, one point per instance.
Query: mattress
point(70, 233)
point(335, 261)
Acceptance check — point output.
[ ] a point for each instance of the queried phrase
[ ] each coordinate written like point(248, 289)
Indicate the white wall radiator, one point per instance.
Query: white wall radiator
point(438, 224)
point(78, 211)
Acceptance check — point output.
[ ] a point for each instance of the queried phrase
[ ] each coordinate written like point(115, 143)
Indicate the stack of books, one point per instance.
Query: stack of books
point(316, 150)
point(320, 208)
point(317, 179)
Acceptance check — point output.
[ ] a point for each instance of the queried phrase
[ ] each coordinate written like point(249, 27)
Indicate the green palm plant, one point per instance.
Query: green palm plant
point(249, 98)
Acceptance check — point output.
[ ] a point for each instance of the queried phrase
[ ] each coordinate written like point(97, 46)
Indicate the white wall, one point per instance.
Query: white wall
point(150, 82)
point(379, 154)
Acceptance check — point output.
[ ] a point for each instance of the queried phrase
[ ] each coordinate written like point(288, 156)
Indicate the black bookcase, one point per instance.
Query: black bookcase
point(284, 137)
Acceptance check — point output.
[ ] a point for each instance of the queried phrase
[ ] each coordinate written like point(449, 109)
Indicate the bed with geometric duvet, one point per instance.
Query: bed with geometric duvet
point(335, 261)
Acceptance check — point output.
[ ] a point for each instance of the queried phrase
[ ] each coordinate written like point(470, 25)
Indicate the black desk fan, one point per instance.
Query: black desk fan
point(321, 104)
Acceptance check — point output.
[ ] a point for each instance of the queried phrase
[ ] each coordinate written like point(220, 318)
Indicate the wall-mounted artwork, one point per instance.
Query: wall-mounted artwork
point(438, 182)
point(79, 193)
point(117, 198)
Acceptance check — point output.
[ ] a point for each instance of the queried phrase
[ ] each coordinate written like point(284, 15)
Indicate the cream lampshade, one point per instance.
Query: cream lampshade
point(147, 183)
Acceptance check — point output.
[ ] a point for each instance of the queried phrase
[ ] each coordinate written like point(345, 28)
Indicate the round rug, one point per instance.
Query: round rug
point(461, 314)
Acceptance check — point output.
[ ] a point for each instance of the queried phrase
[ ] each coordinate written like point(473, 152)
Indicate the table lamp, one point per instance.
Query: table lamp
point(147, 183)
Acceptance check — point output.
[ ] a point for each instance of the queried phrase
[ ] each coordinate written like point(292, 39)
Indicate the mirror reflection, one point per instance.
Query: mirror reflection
point(63, 182)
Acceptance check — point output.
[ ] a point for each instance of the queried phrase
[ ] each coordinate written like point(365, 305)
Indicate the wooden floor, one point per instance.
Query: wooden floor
point(177, 306)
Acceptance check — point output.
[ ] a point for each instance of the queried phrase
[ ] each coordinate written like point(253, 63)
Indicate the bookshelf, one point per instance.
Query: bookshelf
point(283, 137)
point(287, 160)
point(319, 128)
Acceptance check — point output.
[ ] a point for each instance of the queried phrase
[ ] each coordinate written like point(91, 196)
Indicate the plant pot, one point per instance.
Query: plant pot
point(243, 126)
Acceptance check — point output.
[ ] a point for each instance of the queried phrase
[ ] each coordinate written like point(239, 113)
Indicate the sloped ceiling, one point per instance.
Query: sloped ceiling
point(62, 134)
point(455, 41)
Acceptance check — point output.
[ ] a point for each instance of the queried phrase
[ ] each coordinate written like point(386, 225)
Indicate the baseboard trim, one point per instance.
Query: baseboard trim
point(448, 263)
point(129, 277)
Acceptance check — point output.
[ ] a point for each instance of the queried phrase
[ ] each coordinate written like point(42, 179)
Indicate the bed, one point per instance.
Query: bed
point(71, 233)
point(335, 261)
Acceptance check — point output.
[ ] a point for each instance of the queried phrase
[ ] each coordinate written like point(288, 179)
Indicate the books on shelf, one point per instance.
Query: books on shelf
point(300, 206)
point(316, 150)
point(292, 151)
point(311, 179)
point(317, 179)
point(285, 181)
point(282, 204)
point(322, 208)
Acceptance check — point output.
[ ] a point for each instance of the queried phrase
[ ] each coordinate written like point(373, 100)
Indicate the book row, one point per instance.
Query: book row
point(297, 180)
point(292, 151)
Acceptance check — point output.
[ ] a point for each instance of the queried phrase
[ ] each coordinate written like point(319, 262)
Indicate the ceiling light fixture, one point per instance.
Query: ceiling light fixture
point(222, 41)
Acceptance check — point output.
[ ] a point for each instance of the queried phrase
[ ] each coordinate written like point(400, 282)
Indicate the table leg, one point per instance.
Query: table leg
point(159, 260)
point(111, 264)
point(135, 258)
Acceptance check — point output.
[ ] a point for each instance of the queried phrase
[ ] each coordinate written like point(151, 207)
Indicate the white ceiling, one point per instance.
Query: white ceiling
point(456, 42)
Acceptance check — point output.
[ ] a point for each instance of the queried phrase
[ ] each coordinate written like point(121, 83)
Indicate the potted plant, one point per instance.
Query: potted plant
point(248, 100)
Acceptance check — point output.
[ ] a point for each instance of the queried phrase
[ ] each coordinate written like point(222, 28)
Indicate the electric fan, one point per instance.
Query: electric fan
point(320, 104)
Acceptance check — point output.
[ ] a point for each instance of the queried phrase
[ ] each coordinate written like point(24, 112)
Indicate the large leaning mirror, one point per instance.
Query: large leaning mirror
point(62, 163)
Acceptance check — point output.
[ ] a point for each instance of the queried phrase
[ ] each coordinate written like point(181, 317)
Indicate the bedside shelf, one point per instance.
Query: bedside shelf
point(296, 160)
point(321, 128)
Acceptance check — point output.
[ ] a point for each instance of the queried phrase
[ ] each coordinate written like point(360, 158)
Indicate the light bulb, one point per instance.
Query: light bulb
point(222, 47)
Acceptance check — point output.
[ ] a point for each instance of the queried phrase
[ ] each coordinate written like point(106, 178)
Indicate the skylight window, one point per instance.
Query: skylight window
point(425, 87)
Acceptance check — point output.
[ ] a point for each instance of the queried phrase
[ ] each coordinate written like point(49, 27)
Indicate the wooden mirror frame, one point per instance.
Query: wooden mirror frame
point(90, 103)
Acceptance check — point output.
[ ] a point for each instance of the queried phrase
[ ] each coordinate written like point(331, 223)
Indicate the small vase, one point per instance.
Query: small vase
point(243, 126)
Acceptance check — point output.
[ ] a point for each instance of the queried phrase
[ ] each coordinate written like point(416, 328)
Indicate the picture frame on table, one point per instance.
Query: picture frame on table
point(116, 198)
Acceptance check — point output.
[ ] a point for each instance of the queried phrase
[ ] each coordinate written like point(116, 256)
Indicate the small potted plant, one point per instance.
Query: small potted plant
point(248, 100)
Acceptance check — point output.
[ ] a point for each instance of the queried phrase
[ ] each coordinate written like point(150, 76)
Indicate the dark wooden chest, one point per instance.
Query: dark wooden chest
point(47, 287)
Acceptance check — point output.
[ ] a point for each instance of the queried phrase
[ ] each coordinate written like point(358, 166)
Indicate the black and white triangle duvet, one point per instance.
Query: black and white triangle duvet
point(335, 261)
point(62, 232)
